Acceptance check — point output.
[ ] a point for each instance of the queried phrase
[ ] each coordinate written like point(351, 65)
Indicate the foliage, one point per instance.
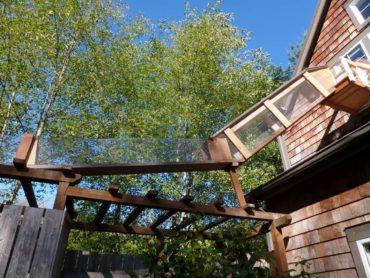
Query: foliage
point(87, 69)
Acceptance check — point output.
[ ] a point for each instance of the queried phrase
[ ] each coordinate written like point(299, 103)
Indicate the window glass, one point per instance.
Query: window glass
point(356, 54)
point(366, 247)
point(363, 7)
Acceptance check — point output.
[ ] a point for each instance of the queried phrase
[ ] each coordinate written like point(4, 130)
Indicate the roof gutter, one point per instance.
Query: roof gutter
point(343, 149)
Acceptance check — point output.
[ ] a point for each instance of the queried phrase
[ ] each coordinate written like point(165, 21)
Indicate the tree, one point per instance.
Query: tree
point(79, 69)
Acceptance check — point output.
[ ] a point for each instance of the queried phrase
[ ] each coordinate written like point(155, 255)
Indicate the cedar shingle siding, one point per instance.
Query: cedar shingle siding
point(317, 233)
point(323, 124)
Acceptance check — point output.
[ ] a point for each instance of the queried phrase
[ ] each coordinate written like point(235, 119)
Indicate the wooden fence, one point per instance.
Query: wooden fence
point(92, 264)
point(32, 241)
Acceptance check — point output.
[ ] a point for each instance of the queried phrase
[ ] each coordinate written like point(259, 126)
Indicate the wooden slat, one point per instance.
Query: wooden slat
point(24, 151)
point(40, 175)
point(8, 222)
point(136, 212)
point(28, 191)
point(280, 116)
point(163, 218)
point(186, 222)
point(142, 168)
point(237, 143)
point(186, 199)
point(25, 244)
point(137, 201)
point(214, 224)
point(44, 263)
point(312, 80)
point(113, 189)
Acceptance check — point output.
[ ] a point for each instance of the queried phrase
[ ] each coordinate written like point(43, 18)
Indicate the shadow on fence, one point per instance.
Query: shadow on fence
point(78, 264)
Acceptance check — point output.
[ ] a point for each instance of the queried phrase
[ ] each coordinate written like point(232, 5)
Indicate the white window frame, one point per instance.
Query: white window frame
point(361, 249)
point(364, 48)
point(358, 20)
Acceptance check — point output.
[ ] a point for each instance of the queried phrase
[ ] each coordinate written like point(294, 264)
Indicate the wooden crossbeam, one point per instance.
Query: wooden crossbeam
point(238, 189)
point(28, 191)
point(218, 203)
point(138, 201)
point(214, 224)
point(186, 222)
point(142, 168)
point(186, 199)
point(151, 195)
point(39, 175)
point(113, 189)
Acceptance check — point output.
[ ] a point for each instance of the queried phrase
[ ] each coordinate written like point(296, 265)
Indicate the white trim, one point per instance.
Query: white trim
point(357, 18)
point(361, 249)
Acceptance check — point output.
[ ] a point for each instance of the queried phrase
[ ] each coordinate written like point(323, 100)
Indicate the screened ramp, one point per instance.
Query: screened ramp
point(344, 86)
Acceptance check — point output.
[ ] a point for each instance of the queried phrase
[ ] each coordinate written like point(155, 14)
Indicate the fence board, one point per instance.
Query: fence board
point(46, 250)
point(8, 222)
point(25, 243)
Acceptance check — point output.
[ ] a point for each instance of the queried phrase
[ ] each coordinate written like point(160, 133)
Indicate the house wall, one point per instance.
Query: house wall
point(317, 233)
point(323, 124)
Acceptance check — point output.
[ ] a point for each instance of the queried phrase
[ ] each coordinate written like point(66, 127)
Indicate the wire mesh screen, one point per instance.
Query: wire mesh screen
point(110, 151)
point(8, 148)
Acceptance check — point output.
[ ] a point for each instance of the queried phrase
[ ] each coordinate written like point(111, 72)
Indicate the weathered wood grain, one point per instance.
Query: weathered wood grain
point(9, 223)
point(46, 253)
point(25, 244)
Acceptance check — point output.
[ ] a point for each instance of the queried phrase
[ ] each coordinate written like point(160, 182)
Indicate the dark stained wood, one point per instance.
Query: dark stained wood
point(113, 190)
point(136, 212)
point(28, 191)
point(40, 175)
point(214, 224)
point(238, 189)
point(186, 222)
point(132, 168)
point(61, 197)
point(137, 201)
point(24, 150)
point(8, 223)
point(163, 218)
point(25, 244)
point(118, 229)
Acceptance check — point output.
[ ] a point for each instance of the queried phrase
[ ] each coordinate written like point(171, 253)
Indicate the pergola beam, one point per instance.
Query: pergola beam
point(142, 168)
point(113, 189)
point(38, 175)
point(138, 201)
point(28, 191)
point(151, 195)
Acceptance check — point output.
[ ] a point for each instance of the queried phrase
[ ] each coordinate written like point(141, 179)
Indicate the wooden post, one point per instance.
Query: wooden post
point(61, 198)
point(28, 191)
point(279, 250)
point(24, 150)
point(238, 189)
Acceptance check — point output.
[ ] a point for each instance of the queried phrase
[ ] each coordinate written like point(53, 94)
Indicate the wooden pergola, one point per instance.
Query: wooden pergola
point(67, 179)
point(224, 151)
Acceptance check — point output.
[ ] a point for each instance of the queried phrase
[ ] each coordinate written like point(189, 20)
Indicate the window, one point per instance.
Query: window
point(364, 249)
point(357, 53)
point(358, 237)
point(359, 11)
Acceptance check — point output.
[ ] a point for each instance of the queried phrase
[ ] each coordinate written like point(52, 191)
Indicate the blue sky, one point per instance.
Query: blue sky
point(275, 24)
